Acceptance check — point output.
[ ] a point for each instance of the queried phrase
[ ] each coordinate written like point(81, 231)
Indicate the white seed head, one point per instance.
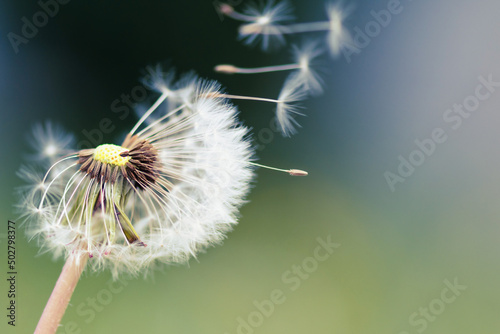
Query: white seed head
point(169, 191)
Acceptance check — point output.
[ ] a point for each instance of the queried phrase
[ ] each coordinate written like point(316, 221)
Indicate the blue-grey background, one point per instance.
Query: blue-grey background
point(397, 248)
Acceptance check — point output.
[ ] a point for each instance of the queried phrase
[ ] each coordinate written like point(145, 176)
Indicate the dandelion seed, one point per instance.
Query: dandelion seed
point(262, 22)
point(158, 80)
point(305, 57)
point(168, 191)
point(286, 104)
point(293, 172)
point(287, 109)
point(49, 141)
point(231, 69)
point(338, 35)
point(307, 77)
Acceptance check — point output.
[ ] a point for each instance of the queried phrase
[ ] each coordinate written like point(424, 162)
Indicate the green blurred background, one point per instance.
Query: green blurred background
point(397, 248)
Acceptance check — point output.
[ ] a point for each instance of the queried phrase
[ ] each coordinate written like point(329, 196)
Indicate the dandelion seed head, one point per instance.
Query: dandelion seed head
point(169, 191)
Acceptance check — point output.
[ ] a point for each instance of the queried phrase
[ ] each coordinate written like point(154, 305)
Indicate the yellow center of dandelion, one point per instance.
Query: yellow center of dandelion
point(110, 154)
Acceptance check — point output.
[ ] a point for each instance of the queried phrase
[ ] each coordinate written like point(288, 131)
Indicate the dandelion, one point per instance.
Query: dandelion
point(263, 23)
point(171, 189)
point(305, 57)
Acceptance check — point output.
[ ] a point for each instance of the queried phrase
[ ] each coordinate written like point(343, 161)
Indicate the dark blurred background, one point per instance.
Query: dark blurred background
point(400, 250)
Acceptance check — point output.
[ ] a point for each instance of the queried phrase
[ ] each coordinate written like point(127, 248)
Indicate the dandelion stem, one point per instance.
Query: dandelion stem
point(59, 299)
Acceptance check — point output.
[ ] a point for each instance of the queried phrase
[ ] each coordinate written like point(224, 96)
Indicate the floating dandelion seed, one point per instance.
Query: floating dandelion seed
point(286, 104)
point(263, 23)
point(338, 35)
point(287, 108)
point(171, 189)
point(305, 56)
point(49, 141)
